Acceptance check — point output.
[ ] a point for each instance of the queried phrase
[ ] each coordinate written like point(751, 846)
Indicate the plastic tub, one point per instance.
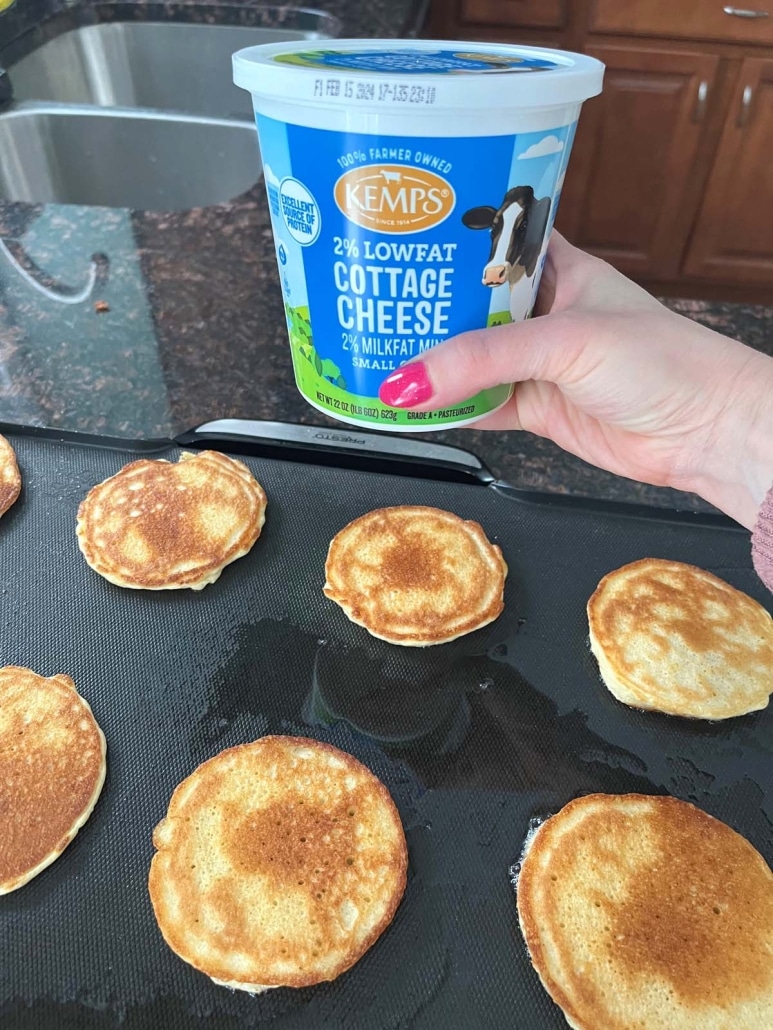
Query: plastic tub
point(412, 185)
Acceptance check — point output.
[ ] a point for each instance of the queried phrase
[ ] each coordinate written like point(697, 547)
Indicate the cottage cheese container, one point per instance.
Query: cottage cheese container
point(412, 186)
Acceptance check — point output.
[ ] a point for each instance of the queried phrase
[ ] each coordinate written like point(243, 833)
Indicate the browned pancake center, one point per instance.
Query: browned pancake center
point(170, 522)
point(294, 842)
point(412, 563)
point(699, 918)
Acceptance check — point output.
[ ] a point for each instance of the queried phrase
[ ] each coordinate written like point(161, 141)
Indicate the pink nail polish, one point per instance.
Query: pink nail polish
point(406, 387)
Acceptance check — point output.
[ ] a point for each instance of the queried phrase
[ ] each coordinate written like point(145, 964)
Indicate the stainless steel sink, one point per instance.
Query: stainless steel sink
point(149, 160)
point(137, 114)
point(163, 65)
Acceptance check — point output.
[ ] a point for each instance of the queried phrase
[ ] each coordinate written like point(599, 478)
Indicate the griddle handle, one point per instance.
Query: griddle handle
point(344, 448)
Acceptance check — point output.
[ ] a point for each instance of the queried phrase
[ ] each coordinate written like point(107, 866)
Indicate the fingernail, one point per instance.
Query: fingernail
point(406, 387)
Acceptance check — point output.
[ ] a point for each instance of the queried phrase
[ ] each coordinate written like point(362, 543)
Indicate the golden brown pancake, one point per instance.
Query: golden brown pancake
point(675, 638)
point(415, 575)
point(10, 477)
point(279, 863)
point(52, 767)
point(163, 526)
point(645, 912)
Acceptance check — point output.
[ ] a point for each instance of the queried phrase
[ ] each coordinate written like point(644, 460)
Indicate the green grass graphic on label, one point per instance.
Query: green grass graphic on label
point(499, 318)
point(302, 343)
point(322, 383)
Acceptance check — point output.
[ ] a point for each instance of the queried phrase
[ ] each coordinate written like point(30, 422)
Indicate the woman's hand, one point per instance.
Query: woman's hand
point(611, 375)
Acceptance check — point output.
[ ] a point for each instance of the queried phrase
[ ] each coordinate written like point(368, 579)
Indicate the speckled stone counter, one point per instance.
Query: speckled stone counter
point(184, 322)
point(46, 18)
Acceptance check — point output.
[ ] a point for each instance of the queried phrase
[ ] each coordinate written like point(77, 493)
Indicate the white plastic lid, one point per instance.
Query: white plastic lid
point(420, 76)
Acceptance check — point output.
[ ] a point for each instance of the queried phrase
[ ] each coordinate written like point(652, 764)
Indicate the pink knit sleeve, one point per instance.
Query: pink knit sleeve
point(762, 541)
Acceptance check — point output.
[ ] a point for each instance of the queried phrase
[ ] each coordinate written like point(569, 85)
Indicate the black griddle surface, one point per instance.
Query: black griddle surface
point(474, 739)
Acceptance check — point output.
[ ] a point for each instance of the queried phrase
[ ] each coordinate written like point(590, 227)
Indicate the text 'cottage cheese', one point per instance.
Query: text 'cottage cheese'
point(412, 187)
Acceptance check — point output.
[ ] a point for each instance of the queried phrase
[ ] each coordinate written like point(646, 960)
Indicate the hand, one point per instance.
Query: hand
point(611, 375)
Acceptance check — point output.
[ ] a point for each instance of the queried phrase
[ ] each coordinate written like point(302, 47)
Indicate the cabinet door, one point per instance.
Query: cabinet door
point(635, 148)
point(749, 21)
point(514, 12)
point(733, 238)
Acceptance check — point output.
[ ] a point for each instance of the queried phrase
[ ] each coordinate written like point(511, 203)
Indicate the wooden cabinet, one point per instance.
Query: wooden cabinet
point(671, 175)
point(733, 238)
point(633, 156)
point(749, 21)
point(514, 12)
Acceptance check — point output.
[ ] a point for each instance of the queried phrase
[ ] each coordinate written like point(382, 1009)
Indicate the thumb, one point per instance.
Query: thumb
point(541, 348)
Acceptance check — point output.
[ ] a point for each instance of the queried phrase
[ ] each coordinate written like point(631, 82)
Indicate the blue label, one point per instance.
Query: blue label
point(419, 62)
point(387, 246)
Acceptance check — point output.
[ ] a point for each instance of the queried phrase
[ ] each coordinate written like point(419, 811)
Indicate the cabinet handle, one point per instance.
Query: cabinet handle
point(744, 113)
point(745, 12)
point(700, 102)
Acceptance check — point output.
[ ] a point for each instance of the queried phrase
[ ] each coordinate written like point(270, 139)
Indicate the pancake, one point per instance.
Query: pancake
point(279, 863)
point(52, 767)
point(10, 477)
point(645, 912)
point(156, 525)
point(415, 576)
point(675, 638)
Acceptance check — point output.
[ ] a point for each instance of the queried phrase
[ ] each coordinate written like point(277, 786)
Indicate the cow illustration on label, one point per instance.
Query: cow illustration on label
point(518, 236)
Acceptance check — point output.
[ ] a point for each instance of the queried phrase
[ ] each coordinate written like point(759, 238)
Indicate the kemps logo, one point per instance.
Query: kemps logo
point(394, 198)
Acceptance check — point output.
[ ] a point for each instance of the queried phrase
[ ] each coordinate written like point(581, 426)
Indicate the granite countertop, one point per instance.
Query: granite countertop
point(192, 326)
